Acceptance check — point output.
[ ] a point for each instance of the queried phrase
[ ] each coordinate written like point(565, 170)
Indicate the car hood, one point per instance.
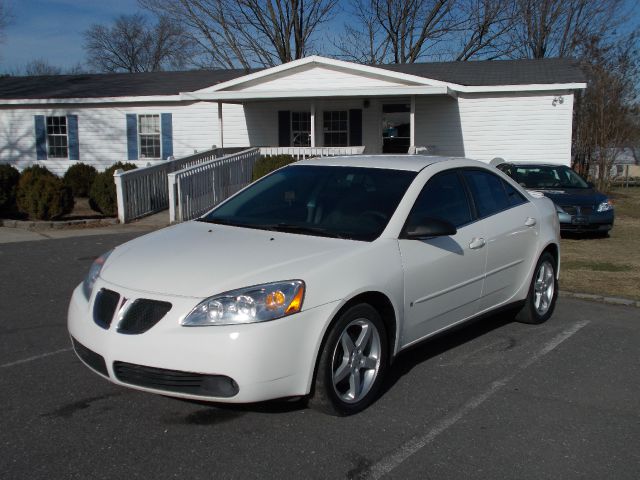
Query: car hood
point(574, 196)
point(197, 259)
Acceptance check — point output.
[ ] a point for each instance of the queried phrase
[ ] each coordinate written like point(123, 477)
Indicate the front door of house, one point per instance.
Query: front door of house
point(396, 128)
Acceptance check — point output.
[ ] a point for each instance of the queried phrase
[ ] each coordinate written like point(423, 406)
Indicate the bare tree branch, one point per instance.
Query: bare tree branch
point(131, 45)
point(244, 33)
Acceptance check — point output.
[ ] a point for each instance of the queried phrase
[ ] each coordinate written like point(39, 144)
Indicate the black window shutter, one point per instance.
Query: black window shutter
point(355, 127)
point(284, 128)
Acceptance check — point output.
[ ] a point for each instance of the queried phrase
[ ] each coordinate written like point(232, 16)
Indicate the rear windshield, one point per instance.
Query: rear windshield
point(332, 201)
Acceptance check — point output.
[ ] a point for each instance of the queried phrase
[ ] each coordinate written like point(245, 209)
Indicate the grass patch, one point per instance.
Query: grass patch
point(607, 266)
point(596, 266)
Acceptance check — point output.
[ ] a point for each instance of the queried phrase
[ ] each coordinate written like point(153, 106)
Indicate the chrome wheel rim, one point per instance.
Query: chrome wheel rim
point(544, 288)
point(356, 360)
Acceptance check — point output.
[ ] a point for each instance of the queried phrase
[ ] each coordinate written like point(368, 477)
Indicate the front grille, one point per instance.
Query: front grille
point(104, 307)
point(91, 358)
point(578, 209)
point(175, 381)
point(142, 315)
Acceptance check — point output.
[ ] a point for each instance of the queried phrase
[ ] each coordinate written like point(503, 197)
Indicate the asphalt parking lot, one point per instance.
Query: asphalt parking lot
point(492, 400)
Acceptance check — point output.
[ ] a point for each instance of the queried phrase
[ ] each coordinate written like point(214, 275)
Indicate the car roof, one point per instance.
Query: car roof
point(413, 163)
point(534, 165)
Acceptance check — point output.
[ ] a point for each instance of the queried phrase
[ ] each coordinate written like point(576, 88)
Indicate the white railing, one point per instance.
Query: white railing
point(300, 153)
point(195, 190)
point(144, 191)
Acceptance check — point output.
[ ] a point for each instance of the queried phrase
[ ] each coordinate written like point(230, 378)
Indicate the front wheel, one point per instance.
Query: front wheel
point(543, 292)
point(352, 363)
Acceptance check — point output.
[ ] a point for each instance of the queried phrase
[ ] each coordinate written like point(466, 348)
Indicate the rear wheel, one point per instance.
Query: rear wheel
point(541, 299)
point(352, 362)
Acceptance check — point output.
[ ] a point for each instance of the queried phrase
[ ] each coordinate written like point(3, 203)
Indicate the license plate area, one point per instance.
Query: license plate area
point(580, 220)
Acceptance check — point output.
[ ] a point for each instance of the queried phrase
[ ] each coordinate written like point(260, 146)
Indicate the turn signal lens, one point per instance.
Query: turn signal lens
point(296, 303)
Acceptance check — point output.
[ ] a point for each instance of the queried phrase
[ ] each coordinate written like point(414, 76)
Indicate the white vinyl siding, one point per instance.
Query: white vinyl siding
point(517, 127)
point(103, 133)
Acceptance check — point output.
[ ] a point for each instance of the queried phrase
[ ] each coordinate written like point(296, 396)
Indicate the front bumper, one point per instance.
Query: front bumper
point(264, 360)
point(595, 222)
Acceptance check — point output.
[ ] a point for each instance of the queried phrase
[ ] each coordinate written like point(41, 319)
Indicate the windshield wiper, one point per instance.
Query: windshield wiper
point(219, 221)
point(303, 229)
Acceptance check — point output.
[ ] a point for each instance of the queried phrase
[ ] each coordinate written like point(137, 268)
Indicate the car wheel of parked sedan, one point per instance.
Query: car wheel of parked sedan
point(541, 299)
point(352, 362)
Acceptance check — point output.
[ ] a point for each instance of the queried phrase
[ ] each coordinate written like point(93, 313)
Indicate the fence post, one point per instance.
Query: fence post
point(171, 183)
point(117, 178)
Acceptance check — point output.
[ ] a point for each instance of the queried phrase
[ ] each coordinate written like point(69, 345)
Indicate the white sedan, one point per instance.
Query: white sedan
point(310, 281)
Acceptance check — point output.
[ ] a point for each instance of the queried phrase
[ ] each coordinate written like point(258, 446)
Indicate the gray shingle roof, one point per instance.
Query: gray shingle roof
point(497, 72)
point(113, 84)
point(480, 73)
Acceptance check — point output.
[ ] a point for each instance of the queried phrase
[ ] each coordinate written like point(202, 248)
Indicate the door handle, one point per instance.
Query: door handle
point(530, 222)
point(477, 243)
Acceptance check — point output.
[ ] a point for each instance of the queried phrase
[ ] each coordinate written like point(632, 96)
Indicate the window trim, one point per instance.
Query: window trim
point(139, 135)
point(47, 135)
point(324, 132)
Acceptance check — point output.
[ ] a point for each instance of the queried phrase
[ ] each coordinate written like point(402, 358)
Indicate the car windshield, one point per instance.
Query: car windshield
point(331, 201)
point(552, 176)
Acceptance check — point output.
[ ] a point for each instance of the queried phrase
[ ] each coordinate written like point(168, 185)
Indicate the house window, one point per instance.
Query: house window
point(335, 128)
point(301, 129)
point(149, 136)
point(57, 139)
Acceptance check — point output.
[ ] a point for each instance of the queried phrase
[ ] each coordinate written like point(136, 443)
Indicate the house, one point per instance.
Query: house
point(516, 110)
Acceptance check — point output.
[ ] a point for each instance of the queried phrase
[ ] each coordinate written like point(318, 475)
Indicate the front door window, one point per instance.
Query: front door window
point(301, 129)
point(396, 128)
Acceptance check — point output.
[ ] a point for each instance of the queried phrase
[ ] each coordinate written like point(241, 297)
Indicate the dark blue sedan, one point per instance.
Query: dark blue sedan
point(581, 208)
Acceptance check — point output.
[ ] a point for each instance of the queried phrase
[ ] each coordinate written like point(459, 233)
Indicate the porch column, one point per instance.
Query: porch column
point(220, 125)
point(412, 122)
point(313, 124)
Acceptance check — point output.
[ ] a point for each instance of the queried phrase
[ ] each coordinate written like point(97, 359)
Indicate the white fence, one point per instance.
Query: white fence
point(144, 191)
point(300, 153)
point(195, 190)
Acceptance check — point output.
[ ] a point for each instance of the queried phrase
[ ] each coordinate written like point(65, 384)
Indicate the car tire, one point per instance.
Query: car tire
point(542, 294)
point(353, 362)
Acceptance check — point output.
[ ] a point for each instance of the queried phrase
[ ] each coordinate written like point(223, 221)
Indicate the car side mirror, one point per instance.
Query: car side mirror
point(591, 185)
point(430, 227)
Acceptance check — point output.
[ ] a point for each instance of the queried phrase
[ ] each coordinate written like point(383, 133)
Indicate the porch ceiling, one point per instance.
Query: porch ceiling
point(241, 96)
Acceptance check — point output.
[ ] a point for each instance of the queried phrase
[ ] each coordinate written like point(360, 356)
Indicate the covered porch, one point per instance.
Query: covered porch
point(382, 120)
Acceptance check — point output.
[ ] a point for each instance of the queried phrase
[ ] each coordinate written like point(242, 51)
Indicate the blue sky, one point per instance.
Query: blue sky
point(52, 29)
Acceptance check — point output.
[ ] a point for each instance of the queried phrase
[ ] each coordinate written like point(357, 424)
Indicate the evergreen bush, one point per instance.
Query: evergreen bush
point(270, 163)
point(79, 178)
point(42, 195)
point(102, 196)
point(9, 178)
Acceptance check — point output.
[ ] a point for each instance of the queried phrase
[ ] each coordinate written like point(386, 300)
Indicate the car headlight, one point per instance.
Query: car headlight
point(605, 206)
point(259, 303)
point(94, 272)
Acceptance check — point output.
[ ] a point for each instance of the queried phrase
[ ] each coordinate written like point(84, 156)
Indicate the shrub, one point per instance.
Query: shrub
point(270, 163)
point(9, 178)
point(79, 178)
point(27, 179)
point(43, 196)
point(102, 196)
